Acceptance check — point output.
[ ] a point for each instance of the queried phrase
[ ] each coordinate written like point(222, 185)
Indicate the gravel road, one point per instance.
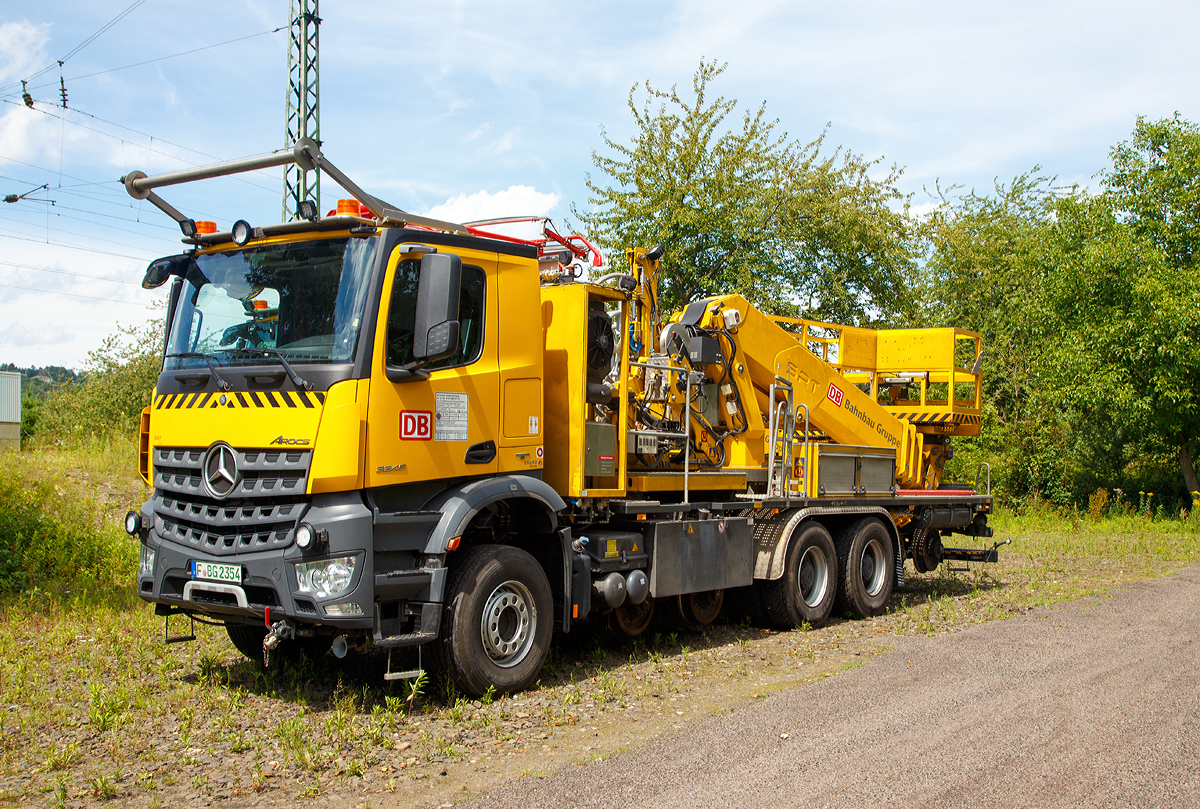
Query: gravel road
point(1091, 703)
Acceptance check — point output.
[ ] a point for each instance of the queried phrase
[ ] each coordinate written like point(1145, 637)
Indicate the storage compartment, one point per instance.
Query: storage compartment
point(695, 556)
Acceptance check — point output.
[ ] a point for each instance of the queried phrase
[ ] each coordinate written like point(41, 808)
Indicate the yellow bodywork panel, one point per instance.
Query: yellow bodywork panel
point(697, 481)
point(520, 361)
point(564, 331)
point(241, 419)
point(420, 429)
point(341, 439)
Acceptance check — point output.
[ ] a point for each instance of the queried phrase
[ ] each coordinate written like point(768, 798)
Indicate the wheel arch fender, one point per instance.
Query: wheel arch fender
point(771, 547)
point(460, 504)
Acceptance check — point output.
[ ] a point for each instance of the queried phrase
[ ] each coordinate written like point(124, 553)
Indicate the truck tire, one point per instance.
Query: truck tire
point(808, 587)
point(497, 620)
point(866, 567)
point(248, 640)
point(701, 609)
point(631, 620)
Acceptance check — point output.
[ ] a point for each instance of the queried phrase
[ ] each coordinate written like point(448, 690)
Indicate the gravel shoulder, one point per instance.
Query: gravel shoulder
point(1091, 703)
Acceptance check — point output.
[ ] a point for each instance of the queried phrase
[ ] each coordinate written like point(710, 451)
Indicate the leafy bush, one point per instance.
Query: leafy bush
point(49, 538)
point(119, 382)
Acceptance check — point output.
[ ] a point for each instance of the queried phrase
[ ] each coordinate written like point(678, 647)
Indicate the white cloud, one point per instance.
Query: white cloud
point(516, 200)
point(27, 335)
point(506, 142)
point(22, 50)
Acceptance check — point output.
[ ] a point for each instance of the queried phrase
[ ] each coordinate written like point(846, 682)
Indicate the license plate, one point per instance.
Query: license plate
point(217, 572)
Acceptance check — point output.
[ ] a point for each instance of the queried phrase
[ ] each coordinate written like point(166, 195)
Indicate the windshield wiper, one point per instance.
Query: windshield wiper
point(186, 355)
point(277, 354)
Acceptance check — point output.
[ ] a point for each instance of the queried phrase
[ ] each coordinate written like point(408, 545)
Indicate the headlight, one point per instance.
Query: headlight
point(133, 523)
point(326, 578)
point(146, 567)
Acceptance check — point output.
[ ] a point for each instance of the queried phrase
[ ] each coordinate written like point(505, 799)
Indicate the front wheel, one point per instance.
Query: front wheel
point(497, 620)
point(806, 591)
point(867, 569)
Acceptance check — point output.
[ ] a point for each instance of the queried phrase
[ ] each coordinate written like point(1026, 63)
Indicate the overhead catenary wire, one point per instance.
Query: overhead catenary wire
point(59, 62)
point(54, 212)
point(69, 272)
point(159, 59)
point(123, 140)
point(73, 247)
point(76, 295)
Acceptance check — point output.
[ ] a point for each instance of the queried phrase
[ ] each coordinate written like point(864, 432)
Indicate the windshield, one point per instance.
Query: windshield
point(306, 300)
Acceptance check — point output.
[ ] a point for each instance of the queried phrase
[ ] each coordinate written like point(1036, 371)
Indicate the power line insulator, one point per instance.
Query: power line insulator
point(25, 96)
point(62, 88)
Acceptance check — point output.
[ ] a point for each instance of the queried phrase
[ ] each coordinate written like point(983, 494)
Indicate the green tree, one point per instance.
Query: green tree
point(1154, 188)
point(986, 269)
point(119, 381)
point(744, 209)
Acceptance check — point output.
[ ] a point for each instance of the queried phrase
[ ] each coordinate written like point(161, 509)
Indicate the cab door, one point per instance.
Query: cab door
point(445, 425)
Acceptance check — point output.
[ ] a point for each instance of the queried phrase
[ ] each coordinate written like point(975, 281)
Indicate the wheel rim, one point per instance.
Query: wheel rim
point(704, 607)
point(633, 619)
point(873, 567)
point(813, 580)
point(508, 621)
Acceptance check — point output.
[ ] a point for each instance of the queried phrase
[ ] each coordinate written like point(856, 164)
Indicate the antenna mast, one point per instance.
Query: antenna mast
point(303, 104)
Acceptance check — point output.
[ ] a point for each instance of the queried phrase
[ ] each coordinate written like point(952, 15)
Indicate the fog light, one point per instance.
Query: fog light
point(305, 536)
point(146, 566)
point(344, 608)
point(326, 578)
point(133, 523)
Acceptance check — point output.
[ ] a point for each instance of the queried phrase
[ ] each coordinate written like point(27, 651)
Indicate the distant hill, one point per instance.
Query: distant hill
point(38, 381)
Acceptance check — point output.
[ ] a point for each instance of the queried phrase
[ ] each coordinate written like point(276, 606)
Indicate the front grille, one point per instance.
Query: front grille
point(263, 473)
point(259, 514)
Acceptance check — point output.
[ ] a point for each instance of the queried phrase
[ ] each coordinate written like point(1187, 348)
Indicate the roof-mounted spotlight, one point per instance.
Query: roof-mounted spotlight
point(307, 210)
point(188, 227)
point(242, 232)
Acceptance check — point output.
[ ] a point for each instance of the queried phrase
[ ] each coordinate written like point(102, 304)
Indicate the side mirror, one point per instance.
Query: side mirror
point(435, 332)
point(163, 268)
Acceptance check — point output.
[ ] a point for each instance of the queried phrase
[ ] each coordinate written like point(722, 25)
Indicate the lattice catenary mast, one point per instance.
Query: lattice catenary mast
point(303, 103)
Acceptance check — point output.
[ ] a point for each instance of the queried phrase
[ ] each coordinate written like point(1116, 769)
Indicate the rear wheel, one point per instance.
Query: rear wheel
point(634, 619)
point(866, 567)
point(701, 609)
point(497, 621)
point(806, 591)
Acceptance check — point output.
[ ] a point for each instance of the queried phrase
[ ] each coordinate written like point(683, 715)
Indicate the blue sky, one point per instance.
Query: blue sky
point(474, 109)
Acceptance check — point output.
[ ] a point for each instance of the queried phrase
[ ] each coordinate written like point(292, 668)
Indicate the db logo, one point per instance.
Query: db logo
point(835, 394)
point(416, 425)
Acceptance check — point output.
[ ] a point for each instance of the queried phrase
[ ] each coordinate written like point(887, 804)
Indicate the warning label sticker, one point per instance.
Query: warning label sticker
point(450, 416)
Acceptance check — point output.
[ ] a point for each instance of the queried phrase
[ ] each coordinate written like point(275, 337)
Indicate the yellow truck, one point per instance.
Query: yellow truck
point(377, 428)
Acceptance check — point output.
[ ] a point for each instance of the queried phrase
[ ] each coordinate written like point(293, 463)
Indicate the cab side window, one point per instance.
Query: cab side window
point(402, 313)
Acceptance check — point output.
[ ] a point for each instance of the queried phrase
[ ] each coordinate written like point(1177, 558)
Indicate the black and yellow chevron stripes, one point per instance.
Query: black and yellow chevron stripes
point(939, 418)
point(246, 399)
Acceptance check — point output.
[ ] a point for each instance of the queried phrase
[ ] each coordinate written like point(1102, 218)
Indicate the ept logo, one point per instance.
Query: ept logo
point(416, 425)
point(835, 394)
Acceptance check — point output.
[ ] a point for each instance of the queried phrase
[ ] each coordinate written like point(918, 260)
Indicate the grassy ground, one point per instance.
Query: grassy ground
point(93, 706)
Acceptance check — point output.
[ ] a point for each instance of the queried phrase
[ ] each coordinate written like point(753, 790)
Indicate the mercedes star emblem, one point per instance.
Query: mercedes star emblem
point(220, 470)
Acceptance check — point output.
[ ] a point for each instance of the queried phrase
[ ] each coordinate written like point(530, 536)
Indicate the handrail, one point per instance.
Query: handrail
point(978, 471)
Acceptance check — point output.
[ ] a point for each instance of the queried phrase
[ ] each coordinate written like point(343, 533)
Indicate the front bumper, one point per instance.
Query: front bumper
point(267, 579)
